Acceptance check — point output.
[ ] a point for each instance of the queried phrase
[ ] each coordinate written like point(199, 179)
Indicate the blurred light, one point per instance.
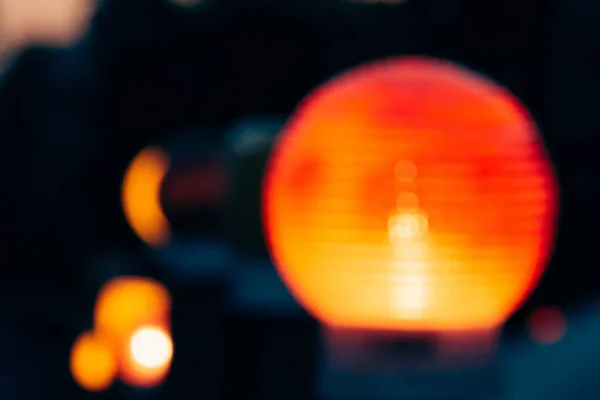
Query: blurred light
point(151, 347)
point(149, 357)
point(547, 325)
point(93, 362)
point(410, 194)
point(53, 22)
point(141, 196)
point(126, 303)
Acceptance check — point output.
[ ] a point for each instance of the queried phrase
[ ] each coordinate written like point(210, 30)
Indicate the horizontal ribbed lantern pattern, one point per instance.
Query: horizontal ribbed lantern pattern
point(410, 194)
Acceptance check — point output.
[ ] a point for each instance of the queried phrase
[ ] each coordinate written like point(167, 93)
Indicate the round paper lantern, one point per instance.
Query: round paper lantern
point(413, 195)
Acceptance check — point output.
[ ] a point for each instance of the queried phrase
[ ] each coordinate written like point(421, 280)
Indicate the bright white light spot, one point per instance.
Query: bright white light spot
point(151, 347)
point(411, 294)
point(406, 226)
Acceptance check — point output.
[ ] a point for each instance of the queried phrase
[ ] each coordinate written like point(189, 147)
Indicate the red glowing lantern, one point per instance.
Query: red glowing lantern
point(411, 195)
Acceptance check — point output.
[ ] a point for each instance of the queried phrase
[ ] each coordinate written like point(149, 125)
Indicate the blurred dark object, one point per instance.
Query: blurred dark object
point(249, 147)
point(272, 343)
point(193, 189)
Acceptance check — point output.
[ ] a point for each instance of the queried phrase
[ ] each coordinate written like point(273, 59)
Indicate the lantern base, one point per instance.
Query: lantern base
point(425, 366)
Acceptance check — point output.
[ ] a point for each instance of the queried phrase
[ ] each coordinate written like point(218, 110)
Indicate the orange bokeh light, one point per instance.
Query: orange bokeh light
point(126, 303)
point(93, 362)
point(123, 307)
point(410, 194)
point(140, 196)
point(147, 358)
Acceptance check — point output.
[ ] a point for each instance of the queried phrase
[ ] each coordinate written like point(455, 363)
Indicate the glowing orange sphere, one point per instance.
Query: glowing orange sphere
point(410, 194)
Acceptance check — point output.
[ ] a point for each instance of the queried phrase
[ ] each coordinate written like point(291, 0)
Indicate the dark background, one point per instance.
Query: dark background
point(72, 118)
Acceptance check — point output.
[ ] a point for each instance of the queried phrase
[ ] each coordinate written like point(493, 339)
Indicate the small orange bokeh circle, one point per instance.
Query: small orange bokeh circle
point(126, 303)
point(410, 194)
point(93, 363)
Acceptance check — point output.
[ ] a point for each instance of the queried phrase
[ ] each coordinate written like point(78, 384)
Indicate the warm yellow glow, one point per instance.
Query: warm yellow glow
point(141, 196)
point(126, 303)
point(93, 362)
point(134, 314)
point(148, 358)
